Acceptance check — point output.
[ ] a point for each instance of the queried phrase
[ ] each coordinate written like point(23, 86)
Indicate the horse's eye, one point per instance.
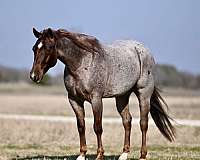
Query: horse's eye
point(49, 47)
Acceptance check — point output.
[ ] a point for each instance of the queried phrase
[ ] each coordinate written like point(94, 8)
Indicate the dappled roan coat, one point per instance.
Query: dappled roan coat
point(94, 71)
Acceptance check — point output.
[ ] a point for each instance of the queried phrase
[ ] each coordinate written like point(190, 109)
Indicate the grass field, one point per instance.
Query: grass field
point(67, 153)
point(21, 139)
point(30, 139)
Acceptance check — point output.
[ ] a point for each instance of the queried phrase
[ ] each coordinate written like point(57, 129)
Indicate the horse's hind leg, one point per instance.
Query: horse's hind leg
point(78, 108)
point(123, 109)
point(144, 95)
point(97, 107)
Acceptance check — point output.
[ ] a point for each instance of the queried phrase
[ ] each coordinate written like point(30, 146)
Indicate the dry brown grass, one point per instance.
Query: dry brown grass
point(32, 138)
point(25, 138)
point(48, 104)
point(33, 99)
point(35, 132)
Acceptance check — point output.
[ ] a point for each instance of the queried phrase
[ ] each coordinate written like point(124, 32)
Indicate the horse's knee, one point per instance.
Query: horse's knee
point(81, 125)
point(98, 128)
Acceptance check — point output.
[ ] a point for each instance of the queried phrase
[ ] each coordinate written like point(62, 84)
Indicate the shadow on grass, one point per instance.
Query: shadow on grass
point(69, 157)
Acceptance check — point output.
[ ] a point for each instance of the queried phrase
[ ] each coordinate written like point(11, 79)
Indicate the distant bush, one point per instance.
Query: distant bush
point(12, 75)
point(19, 75)
point(46, 80)
point(167, 75)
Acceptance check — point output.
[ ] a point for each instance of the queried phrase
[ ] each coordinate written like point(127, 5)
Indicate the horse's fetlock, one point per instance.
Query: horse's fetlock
point(83, 149)
point(100, 151)
point(126, 148)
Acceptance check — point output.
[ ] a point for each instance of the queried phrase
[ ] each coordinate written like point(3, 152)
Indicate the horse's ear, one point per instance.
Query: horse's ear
point(36, 33)
point(50, 33)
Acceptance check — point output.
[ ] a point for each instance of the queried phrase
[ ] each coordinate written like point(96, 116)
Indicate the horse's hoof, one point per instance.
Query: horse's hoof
point(142, 159)
point(123, 156)
point(81, 157)
point(99, 158)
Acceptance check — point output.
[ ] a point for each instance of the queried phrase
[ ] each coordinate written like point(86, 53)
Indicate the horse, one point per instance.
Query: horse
point(93, 71)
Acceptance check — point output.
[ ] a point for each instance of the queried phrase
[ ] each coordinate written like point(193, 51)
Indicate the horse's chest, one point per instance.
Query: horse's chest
point(77, 87)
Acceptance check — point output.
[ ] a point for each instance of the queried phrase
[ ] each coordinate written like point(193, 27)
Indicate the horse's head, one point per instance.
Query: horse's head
point(45, 55)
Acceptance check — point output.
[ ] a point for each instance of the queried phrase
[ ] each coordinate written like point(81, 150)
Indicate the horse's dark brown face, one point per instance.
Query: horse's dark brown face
point(45, 55)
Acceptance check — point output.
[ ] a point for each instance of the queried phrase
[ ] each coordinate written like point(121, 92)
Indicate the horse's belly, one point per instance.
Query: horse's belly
point(122, 79)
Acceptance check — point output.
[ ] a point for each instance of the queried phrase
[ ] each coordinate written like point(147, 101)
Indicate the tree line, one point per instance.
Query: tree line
point(166, 75)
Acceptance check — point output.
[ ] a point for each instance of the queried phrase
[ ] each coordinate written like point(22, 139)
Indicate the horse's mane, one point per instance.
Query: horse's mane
point(86, 42)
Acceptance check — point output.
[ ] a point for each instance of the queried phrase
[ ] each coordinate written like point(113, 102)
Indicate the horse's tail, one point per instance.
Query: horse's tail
point(160, 117)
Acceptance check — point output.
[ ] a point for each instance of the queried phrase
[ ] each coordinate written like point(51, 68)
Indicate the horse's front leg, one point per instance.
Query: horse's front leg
point(97, 108)
point(78, 108)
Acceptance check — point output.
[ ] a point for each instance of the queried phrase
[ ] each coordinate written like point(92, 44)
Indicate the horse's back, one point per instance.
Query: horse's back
point(124, 66)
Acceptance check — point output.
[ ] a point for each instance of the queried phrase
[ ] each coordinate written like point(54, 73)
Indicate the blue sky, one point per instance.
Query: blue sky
point(170, 29)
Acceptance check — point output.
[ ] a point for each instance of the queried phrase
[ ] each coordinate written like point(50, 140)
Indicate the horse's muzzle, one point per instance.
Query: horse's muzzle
point(35, 77)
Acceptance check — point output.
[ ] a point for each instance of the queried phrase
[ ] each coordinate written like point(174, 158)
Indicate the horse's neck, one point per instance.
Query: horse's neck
point(69, 54)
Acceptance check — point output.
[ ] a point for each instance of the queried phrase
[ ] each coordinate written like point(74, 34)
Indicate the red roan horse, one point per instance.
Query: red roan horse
point(94, 71)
